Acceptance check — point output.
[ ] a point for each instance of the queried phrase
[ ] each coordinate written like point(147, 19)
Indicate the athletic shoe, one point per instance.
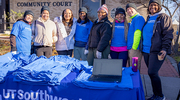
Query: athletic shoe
point(152, 98)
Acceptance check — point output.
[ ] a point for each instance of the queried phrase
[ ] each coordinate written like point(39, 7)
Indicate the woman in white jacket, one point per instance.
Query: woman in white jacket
point(66, 26)
point(44, 33)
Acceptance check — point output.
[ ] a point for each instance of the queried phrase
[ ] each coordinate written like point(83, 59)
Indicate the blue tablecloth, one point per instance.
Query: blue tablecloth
point(10, 90)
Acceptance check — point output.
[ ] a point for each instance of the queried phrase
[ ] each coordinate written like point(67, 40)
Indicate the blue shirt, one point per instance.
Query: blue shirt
point(83, 31)
point(118, 39)
point(136, 23)
point(147, 33)
point(23, 33)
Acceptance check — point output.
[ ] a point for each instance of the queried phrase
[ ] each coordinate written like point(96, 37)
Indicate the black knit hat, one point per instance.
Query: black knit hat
point(45, 8)
point(27, 12)
point(120, 10)
point(82, 9)
point(131, 5)
point(156, 1)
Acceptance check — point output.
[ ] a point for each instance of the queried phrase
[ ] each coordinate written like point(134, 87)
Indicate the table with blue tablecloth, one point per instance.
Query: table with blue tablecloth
point(11, 90)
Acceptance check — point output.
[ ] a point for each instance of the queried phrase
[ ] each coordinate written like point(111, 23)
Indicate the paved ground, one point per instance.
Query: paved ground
point(168, 73)
point(169, 77)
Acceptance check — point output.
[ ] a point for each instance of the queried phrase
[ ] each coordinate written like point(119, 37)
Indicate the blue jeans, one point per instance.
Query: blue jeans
point(120, 55)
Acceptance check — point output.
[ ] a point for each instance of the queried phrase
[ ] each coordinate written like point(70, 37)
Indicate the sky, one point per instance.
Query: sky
point(172, 7)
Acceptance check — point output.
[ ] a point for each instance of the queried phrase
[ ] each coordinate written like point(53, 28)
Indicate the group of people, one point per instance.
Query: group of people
point(101, 39)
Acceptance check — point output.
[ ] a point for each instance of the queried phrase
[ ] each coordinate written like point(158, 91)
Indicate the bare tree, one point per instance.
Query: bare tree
point(165, 4)
point(171, 6)
point(176, 45)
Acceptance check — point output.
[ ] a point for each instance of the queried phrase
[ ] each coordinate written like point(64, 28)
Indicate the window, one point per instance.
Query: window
point(92, 7)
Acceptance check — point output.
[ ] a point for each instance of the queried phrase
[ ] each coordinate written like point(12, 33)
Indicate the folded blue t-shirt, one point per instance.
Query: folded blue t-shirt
point(126, 82)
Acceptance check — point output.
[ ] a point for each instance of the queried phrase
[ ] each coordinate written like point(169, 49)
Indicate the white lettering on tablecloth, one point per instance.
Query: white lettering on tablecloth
point(22, 95)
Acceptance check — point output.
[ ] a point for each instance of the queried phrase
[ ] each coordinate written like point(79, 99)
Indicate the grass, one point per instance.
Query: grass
point(177, 58)
point(4, 47)
point(4, 34)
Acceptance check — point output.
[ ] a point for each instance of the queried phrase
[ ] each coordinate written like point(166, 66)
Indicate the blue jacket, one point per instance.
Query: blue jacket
point(82, 33)
point(136, 23)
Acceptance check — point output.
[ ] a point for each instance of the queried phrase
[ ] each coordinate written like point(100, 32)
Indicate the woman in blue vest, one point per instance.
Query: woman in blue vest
point(119, 38)
point(20, 38)
point(83, 28)
point(156, 44)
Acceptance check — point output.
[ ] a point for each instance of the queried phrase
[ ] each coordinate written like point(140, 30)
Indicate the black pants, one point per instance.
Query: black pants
point(154, 65)
point(43, 50)
point(65, 52)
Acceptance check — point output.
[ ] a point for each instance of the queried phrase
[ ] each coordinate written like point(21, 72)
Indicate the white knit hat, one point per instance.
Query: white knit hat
point(103, 7)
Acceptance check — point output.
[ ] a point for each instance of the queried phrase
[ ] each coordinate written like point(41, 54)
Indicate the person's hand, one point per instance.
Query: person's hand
point(163, 54)
point(98, 54)
point(86, 52)
point(14, 52)
point(54, 39)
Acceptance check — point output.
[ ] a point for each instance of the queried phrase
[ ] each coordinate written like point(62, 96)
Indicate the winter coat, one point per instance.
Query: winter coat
point(64, 42)
point(162, 34)
point(43, 33)
point(100, 35)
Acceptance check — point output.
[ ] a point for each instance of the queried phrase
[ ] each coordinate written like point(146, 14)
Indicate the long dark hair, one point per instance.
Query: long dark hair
point(159, 9)
point(86, 20)
point(71, 19)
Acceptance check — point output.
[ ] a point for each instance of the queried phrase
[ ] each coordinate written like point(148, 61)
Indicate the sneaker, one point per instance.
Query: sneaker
point(160, 98)
point(152, 98)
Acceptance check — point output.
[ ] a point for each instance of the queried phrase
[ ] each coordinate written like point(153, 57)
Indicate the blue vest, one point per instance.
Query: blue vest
point(147, 34)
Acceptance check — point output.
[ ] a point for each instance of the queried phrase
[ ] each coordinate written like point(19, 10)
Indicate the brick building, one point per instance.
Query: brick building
point(57, 6)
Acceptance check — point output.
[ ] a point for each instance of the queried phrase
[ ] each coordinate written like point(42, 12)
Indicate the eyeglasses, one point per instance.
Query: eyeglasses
point(101, 12)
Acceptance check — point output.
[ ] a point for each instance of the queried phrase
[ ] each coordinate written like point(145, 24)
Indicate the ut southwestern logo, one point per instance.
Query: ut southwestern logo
point(120, 27)
point(151, 21)
point(27, 28)
point(11, 94)
point(83, 25)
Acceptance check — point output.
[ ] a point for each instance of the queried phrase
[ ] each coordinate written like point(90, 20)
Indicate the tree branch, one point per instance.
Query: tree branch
point(167, 10)
point(175, 11)
point(146, 6)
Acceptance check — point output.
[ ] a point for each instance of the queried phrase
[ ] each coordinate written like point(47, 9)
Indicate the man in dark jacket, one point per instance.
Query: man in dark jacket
point(100, 36)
